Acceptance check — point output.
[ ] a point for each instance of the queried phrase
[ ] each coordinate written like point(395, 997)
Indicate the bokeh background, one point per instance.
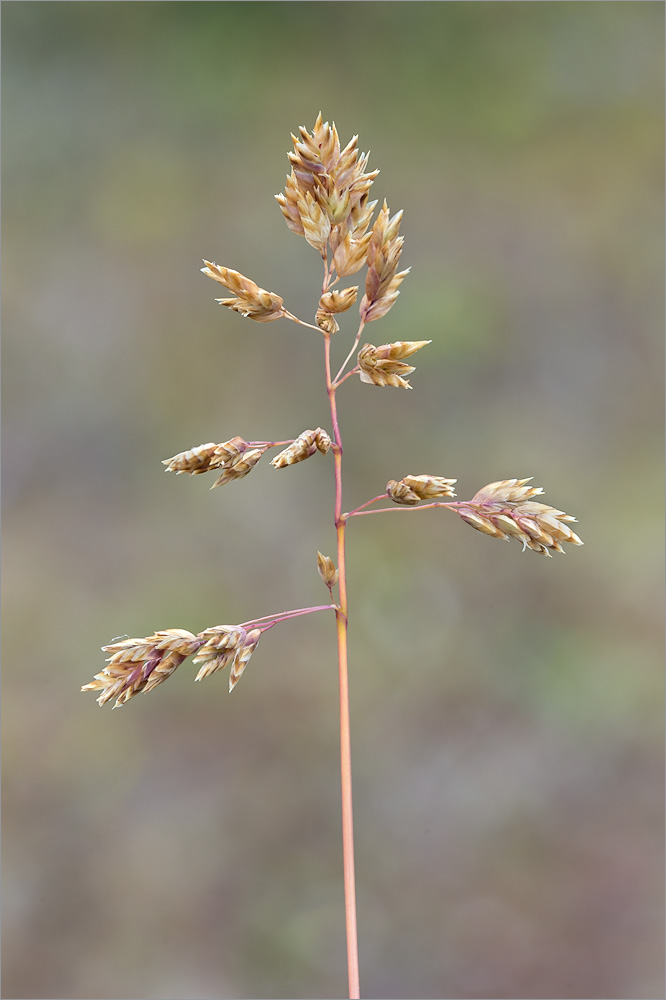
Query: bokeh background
point(506, 709)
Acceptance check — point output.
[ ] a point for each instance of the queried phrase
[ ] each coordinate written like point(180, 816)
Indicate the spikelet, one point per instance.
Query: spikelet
point(339, 300)
point(412, 489)
point(243, 656)
point(251, 300)
point(240, 467)
point(334, 302)
point(383, 365)
point(350, 254)
point(326, 569)
point(305, 445)
point(326, 321)
point(383, 278)
point(316, 224)
point(355, 227)
point(506, 491)
point(504, 510)
point(288, 203)
point(137, 665)
point(204, 457)
point(382, 373)
point(220, 646)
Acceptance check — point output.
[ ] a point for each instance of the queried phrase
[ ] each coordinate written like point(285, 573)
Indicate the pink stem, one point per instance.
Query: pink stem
point(381, 496)
point(387, 510)
point(269, 444)
point(287, 315)
point(345, 377)
point(353, 348)
point(345, 734)
point(284, 615)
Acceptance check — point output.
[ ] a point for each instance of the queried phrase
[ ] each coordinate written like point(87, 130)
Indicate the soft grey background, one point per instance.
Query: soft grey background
point(506, 709)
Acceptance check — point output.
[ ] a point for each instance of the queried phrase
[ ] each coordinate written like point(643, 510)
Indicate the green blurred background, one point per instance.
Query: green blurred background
point(506, 710)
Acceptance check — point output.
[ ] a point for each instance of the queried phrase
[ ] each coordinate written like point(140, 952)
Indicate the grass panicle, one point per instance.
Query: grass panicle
point(326, 201)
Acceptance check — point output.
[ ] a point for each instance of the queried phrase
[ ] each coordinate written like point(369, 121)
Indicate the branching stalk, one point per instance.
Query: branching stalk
point(343, 674)
point(326, 202)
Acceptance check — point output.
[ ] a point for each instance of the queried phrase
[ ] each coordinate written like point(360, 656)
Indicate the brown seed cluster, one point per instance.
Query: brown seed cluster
point(412, 489)
point(137, 665)
point(250, 300)
point(505, 510)
point(326, 569)
point(326, 193)
point(384, 365)
point(305, 445)
point(235, 457)
point(326, 200)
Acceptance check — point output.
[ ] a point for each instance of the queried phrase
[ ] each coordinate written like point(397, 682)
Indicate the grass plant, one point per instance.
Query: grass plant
point(326, 201)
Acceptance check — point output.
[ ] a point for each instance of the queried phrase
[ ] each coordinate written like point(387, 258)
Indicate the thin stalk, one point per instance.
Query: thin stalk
point(269, 444)
point(295, 319)
point(380, 496)
point(284, 615)
point(353, 348)
point(344, 378)
point(390, 510)
point(345, 731)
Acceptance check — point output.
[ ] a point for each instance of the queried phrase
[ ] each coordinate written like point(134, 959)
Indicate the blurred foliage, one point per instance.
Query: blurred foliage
point(506, 710)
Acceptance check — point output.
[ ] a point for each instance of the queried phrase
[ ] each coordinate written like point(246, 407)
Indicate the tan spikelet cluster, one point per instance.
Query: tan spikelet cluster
point(339, 300)
point(327, 570)
point(326, 200)
point(384, 365)
point(412, 489)
point(205, 457)
point(223, 646)
point(137, 665)
point(335, 180)
point(234, 457)
point(250, 300)
point(383, 278)
point(240, 467)
point(326, 321)
point(334, 302)
point(305, 445)
point(505, 510)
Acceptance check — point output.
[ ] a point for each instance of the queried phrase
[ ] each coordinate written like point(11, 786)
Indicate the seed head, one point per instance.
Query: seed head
point(336, 180)
point(137, 665)
point(412, 489)
point(381, 365)
point(305, 445)
point(251, 300)
point(504, 510)
point(204, 457)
